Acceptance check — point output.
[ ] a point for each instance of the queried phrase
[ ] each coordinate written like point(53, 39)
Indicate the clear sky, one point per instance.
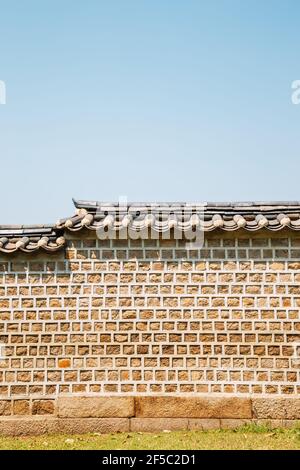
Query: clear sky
point(183, 100)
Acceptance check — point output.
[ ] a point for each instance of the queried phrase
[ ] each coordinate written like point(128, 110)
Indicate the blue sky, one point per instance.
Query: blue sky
point(153, 100)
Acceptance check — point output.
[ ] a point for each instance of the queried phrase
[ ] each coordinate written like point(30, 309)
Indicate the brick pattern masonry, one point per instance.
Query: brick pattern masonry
point(151, 318)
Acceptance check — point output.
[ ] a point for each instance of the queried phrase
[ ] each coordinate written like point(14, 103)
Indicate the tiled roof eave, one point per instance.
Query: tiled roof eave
point(249, 216)
point(29, 239)
point(160, 217)
point(210, 228)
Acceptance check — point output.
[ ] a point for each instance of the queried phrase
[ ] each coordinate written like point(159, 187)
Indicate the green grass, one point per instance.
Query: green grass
point(248, 437)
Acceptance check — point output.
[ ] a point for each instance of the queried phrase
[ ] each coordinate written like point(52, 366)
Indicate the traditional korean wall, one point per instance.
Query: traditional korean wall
point(149, 319)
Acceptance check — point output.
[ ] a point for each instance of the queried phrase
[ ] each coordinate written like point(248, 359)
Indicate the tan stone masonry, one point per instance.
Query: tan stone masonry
point(131, 334)
point(110, 414)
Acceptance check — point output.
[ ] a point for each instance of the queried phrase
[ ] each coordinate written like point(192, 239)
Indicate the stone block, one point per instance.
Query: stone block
point(196, 424)
point(193, 407)
point(157, 424)
point(43, 407)
point(28, 426)
point(234, 423)
point(95, 407)
point(21, 407)
point(5, 407)
point(86, 425)
point(276, 408)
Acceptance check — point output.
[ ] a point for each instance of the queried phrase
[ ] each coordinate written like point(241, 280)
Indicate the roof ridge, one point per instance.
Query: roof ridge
point(80, 203)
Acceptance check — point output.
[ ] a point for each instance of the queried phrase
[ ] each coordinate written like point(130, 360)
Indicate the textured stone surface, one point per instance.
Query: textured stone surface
point(193, 407)
point(278, 423)
point(204, 424)
point(64, 363)
point(102, 425)
point(233, 423)
point(43, 407)
point(150, 317)
point(21, 407)
point(158, 424)
point(5, 407)
point(28, 426)
point(291, 423)
point(95, 407)
point(276, 408)
point(37, 425)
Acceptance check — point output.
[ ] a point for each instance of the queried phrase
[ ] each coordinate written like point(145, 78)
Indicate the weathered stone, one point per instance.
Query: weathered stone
point(269, 423)
point(21, 407)
point(63, 363)
point(102, 425)
point(43, 407)
point(276, 408)
point(157, 424)
point(5, 407)
point(28, 426)
point(291, 423)
point(234, 423)
point(59, 337)
point(38, 425)
point(96, 407)
point(204, 424)
point(7, 426)
point(193, 407)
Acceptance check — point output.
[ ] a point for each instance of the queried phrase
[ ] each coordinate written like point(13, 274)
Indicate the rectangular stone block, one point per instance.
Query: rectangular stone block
point(234, 423)
point(276, 408)
point(95, 407)
point(21, 407)
point(291, 423)
point(102, 425)
point(157, 424)
point(193, 407)
point(270, 423)
point(28, 426)
point(5, 407)
point(198, 424)
point(38, 425)
point(43, 407)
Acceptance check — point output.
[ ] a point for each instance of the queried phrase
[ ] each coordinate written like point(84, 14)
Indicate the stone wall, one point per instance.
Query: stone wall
point(150, 318)
point(81, 414)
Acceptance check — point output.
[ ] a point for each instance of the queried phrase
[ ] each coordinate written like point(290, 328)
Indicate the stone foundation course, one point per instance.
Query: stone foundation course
point(84, 414)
